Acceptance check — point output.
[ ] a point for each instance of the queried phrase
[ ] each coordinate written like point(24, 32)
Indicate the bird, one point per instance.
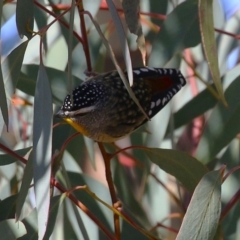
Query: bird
point(102, 109)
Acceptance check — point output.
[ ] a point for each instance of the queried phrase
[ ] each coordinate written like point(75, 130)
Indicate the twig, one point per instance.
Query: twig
point(12, 153)
point(58, 18)
point(80, 8)
point(107, 160)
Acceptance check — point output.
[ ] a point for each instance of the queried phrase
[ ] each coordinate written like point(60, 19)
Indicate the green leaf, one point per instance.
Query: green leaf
point(6, 159)
point(122, 40)
point(132, 18)
point(1, 6)
point(9, 74)
point(7, 207)
point(11, 68)
point(54, 208)
point(90, 145)
point(182, 166)
point(24, 18)
point(222, 126)
point(128, 230)
point(3, 103)
point(26, 181)
point(42, 148)
point(69, 232)
point(209, 42)
point(179, 31)
point(31, 225)
point(202, 216)
point(78, 225)
point(70, 46)
point(10, 229)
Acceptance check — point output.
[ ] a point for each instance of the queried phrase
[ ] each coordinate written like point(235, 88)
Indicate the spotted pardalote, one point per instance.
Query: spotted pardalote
point(101, 108)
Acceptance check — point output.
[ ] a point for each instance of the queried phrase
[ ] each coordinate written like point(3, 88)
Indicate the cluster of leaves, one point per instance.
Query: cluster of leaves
point(46, 189)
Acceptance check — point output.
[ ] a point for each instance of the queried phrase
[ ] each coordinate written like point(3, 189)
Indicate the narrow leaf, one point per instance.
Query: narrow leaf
point(3, 103)
point(131, 12)
point(182, 166)
point(9, 229)
point(8, 207)
point(131, 8)
point(9, 73)
point(202, 216)
point(122, 39)
point(70, 45)
point(1, 6)
point(24, 18)
point(54, 209)
point(89, 143)
point(205, 9)
point(11, 67)
point(42, 147)
point(26, 181)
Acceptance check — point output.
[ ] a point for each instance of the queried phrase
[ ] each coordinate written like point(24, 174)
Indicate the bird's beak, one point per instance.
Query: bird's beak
point(60, 114)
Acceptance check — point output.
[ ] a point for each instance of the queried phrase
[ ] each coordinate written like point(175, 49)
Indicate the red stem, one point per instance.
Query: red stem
point(231, 171)
point(12, 153)
point(227, 33)
point(107, 161)
point(84, 34)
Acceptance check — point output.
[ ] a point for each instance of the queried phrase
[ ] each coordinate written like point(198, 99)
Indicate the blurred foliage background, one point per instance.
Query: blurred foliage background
point(183, 183)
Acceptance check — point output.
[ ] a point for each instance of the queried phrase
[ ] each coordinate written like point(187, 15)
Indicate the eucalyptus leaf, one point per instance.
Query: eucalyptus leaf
point(209, 42)
point(187, 169)
point(26, 181)
point(203, 213)
point(24, 18)
point(42, 148)
point(9, 74)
